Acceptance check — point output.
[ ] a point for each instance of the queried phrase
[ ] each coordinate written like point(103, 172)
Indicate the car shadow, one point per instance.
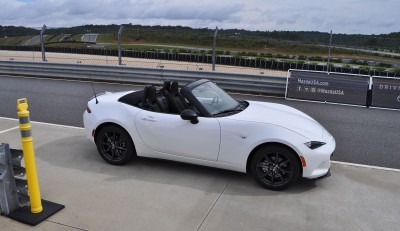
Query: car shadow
point(80, 154)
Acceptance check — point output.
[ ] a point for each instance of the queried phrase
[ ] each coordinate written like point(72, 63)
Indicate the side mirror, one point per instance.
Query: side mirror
point(191, 115)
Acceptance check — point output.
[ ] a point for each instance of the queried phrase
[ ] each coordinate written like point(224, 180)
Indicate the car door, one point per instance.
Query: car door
point(170, 134)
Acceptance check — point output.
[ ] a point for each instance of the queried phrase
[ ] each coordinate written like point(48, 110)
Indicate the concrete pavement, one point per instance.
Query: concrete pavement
point(150, 194)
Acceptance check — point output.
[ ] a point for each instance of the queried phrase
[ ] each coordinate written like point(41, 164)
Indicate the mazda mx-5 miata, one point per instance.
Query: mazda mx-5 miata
point(202, 124)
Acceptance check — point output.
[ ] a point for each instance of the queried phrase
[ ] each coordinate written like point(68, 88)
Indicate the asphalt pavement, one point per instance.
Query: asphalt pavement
point(363, 135)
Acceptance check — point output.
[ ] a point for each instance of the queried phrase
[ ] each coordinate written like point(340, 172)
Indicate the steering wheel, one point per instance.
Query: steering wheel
point(215, 100)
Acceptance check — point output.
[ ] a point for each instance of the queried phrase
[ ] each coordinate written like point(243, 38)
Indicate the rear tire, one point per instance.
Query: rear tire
point(275, 167)
point(115, 145)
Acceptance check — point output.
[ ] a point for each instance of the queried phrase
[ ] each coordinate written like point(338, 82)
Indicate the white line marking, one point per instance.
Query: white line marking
point(57, 125)
point(7, 130)
point(43, 123)
point(366, 166)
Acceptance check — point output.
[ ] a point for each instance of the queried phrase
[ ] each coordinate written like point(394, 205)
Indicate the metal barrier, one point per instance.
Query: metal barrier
point(13, 186)
point(14, 189)
point(237, 82)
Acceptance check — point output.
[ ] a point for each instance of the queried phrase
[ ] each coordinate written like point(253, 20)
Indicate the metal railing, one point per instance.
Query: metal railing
point(236, 82)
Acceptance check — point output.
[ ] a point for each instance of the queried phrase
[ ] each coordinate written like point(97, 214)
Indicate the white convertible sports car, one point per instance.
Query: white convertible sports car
point(202, 124)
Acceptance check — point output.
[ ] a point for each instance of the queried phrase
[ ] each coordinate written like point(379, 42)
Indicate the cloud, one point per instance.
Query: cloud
point(341, 16)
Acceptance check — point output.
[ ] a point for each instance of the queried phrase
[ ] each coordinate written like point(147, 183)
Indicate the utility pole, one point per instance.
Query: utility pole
point(42, 43)
point(119, 45)
point(214, 47)
point(329, 52)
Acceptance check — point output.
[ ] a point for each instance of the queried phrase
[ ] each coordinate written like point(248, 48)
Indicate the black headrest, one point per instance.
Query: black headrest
point(165, 88)
point(167, 85)
point(151, 94)
point(145, 90)
point(174, 88)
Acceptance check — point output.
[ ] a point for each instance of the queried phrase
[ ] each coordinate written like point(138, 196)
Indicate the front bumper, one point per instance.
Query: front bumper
point(318, 160)
point(328, 174)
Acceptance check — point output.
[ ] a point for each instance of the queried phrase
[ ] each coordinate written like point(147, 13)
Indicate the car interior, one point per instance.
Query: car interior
point(167, 99)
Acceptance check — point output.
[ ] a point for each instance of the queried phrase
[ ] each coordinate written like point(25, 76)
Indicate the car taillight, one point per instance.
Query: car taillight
point(88, 109)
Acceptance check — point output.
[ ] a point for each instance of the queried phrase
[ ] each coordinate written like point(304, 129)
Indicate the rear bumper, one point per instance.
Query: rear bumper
point(89, 125)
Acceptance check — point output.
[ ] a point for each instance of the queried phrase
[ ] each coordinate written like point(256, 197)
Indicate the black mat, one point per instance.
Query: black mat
point(25, 216)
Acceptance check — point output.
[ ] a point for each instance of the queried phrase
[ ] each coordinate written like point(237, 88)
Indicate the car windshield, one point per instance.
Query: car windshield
point(214, 99)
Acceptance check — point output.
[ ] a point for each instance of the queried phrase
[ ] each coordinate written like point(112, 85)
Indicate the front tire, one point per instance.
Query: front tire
point(115, 145)
point(275, 167)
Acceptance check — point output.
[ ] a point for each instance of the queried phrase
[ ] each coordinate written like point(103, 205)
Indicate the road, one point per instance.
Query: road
point(35, 40)
point(363, 135)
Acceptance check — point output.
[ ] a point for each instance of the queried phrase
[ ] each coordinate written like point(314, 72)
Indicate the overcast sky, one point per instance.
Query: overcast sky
point(341, 16)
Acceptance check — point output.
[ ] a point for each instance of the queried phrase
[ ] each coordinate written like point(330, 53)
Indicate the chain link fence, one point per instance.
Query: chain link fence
point(271, 53)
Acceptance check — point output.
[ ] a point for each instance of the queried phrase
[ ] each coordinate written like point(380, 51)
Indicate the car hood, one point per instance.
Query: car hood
point(283, 116)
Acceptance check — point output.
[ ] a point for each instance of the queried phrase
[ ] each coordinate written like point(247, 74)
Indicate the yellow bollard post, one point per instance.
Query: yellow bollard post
point(29, 156)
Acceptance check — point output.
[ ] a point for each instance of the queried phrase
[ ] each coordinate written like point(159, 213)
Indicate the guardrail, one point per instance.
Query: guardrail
point(237, 82)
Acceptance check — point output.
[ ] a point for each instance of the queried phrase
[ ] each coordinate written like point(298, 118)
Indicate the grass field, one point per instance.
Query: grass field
point(106, 38)
point(12, 41)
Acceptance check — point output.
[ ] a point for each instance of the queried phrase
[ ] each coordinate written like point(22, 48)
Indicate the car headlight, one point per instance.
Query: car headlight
point(314, 144)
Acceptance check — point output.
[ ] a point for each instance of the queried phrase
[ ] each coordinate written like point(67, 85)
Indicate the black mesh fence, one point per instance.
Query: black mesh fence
point(271, 52)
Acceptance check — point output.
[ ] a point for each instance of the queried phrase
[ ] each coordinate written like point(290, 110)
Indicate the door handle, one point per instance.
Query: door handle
point(149, 119)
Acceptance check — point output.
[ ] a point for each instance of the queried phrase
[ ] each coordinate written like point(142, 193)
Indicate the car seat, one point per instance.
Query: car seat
point(149, 100)
point(175, 100)
point(165, 89)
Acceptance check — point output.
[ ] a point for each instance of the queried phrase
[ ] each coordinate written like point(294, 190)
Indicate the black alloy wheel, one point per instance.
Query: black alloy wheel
point(275, 167)
point(115, 145)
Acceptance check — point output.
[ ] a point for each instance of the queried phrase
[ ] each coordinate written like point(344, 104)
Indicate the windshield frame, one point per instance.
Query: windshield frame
point(187, 92)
